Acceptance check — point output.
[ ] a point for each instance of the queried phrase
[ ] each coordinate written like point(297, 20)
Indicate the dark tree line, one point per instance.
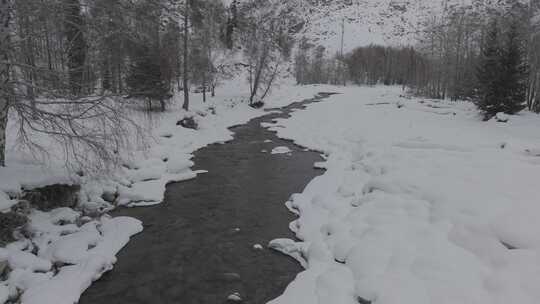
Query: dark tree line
point(67, 47)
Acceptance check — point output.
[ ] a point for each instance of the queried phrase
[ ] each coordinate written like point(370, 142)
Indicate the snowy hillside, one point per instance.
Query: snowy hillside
point(364, 22)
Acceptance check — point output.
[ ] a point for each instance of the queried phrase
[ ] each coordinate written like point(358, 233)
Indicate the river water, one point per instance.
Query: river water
point(197, 247)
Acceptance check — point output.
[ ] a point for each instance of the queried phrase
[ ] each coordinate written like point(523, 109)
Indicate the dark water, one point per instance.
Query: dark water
point(191, 252)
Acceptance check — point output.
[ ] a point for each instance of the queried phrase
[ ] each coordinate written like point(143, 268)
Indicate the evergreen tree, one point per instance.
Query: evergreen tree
point(488, 74)
point(514, 71)
point(144, 78)
point(502, 73)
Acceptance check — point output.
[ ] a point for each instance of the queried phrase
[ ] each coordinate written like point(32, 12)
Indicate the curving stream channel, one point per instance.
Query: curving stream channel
point(197, 247)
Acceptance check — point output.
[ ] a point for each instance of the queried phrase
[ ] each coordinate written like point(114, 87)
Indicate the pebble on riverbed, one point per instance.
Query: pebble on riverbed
point(258, 247)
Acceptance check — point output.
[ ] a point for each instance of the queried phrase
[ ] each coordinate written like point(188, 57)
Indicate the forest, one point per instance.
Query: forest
point(68, 64)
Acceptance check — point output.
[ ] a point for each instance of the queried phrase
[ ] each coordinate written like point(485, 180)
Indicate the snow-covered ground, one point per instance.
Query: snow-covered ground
point(63, 251)
point(421, 203)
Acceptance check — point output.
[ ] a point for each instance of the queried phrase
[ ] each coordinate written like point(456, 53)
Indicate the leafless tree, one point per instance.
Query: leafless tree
point(6, 83)
point(262, 30)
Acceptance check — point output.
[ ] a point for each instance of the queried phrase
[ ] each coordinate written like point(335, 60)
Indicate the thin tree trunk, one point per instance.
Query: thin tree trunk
point(271, 81)
point(204, 92)
point(185, 106)
point(258, 71)
point(77, 45)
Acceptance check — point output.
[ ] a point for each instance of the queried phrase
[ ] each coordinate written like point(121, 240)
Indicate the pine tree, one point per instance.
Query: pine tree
point(514, 72)
point(488, 74)
point(502, 74)
point(145, 79)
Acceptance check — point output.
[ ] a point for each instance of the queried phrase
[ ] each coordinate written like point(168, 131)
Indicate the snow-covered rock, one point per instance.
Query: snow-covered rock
point(258, 247)
point(235, 297)
point(281, 150)
point(502, 117)
point(5, 202)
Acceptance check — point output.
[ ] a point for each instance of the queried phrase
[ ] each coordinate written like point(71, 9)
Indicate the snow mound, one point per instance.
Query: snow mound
point(63, 258)
point(502, 117)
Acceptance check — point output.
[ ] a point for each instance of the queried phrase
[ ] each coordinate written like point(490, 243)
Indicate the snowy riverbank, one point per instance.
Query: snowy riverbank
point(62, 251)
point(422, 203)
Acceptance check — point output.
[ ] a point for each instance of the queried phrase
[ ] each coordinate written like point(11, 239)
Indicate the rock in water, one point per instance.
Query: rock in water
point(235, 297)
point(258, 247)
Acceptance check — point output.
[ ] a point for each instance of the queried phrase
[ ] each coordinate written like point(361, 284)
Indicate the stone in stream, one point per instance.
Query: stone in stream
point(258, 247)
point(235, 297)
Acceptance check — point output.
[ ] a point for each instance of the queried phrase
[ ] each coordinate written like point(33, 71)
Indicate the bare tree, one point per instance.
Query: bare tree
point(6, 84)
point(185, 60)
point(91, 129)
point(262, 28)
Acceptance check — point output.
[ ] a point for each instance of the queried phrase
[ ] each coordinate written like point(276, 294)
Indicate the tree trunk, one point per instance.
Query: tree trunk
point(185, 106)
point(162, 103)
point(258, 72)
point(204, 88)
point(204, 93)
point(5, 70)
point(76, 45)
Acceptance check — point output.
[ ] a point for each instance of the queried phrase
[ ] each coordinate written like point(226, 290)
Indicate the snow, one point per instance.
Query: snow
point(281, 150)
point(365, 22)
point(5, 202)
point(289, 247)
point(4, 294)
point(502, 117)
point(24, 260)
point(81, 254)
point(416, 205)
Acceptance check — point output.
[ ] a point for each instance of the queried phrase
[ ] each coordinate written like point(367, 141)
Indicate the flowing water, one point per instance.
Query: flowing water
point(197, 247)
